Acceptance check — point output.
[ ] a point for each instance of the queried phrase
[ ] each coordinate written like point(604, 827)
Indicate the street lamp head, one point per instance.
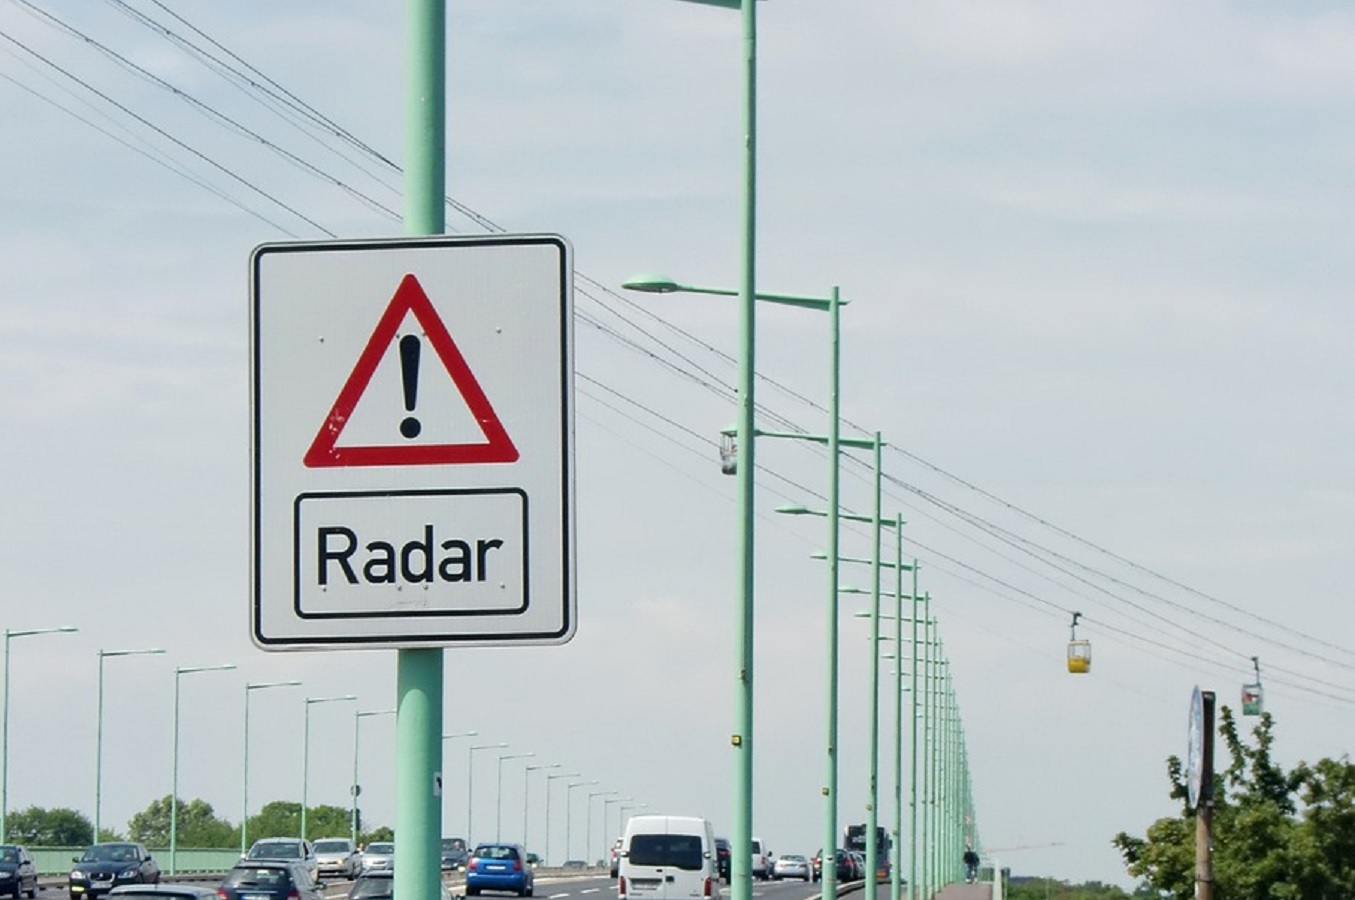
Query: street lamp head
point(795, 509)
point(260, 685)
point(459, 734)
point(310, 700)
point(185, 670)
point(145, 652)
point(652, 284)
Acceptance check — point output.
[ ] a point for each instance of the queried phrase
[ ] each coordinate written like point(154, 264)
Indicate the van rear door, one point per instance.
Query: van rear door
point(666, 867)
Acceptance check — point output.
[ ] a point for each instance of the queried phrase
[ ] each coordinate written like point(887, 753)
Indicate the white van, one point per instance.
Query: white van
point(761, 861)
point(668, 858)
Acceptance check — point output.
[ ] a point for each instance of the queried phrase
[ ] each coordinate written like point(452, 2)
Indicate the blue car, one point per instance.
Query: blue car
point(499, 867)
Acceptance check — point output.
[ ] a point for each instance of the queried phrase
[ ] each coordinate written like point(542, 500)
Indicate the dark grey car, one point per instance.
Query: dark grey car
point(18, 875)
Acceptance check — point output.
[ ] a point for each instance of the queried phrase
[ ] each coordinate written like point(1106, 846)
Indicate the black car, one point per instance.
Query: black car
point(381, 886)
point(104, 866)
point(846, 870)
point(454, 854)
point(18, 875)
point(268, 880)
point(722, 859)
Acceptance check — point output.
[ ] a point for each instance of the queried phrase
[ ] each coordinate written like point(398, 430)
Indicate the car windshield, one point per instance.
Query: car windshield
point(275, 850)
point(682, 851)
point(257, 876)
point(496, 851)
point(367, 887)
point(331, 846)
point(9, 854)
point(381, 849)
point(110, 853)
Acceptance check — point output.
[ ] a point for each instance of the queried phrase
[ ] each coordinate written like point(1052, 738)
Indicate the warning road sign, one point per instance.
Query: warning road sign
point(413, 442)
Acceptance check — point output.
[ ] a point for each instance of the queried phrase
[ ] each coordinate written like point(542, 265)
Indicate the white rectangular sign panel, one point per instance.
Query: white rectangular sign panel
point(413, 438)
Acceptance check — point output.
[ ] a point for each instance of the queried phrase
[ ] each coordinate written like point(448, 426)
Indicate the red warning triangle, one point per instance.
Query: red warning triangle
point(410, 299)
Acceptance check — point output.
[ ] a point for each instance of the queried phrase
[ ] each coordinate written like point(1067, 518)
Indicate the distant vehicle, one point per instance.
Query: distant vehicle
point(337, 858)
point(854, 839)
point(762, 860)
point(858, 864)
point(499, 867)
point(791, 865)
point(667, 858)
point(381, 886)
point(286, 850)
point(616, 857)
point(164, 892)
point(722, 858)
point(18, 874)
point(104, 866)
point(454, 854)
point(845, 870)
point(269, 879)
point(379, 855)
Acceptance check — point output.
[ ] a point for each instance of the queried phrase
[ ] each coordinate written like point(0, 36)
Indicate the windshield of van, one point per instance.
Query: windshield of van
point(680, 851)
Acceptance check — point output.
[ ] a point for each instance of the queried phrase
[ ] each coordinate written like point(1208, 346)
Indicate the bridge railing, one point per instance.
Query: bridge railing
point(57, 860)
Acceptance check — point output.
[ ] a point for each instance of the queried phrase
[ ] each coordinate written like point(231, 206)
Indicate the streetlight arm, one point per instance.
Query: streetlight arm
point(660, 284)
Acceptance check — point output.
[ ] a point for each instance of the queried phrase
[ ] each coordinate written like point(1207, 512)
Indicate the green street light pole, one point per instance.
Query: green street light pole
point(545, 856)
point(10, 634)
point(832, 305)
point(306, 749)
point(419, 671)
point(498, 793)
point(741, 834)
point(569, 812)
point(244, 794)
point(446, 780)
point(470, 788)
point(355, 789)
point(588, 840)
point(605, 803)
point(179, 672)
point(99, 730)
point(526, 793)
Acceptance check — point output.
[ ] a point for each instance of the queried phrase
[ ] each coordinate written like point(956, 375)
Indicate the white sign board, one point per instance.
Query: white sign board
point(413, 439)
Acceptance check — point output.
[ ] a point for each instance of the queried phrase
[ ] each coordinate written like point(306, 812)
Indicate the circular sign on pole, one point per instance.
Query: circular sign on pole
point(1195, 749)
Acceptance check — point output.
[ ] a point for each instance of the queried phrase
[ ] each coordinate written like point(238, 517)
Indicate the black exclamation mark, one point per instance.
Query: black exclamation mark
point(409, 376)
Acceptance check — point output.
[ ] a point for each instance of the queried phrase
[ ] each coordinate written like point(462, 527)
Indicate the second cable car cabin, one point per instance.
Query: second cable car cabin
point(1079, 651)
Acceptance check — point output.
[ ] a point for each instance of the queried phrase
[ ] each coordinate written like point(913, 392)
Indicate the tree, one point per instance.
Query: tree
point(1049, 889)
point(40, 827)
point(380, 833)
point(196, 822)
point(1277, 834)
point(327, 821)
point(280, 818)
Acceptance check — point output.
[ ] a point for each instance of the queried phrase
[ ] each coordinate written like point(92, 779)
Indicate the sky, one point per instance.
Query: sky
point(1094, 257)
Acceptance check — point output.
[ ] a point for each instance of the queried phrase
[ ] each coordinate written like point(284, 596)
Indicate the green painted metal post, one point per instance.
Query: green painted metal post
point(828, 856)
point(11, 633)
point(418, 740)
point(873, 793)
point(929, 652)
point(896, 867)
point(912, 753)
point(741, 836)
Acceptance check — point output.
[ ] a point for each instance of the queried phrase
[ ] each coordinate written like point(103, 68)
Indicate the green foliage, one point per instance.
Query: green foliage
point(327, 821)
point(59, 827)
point(1049, 889)
point(1277, 835)
point(281, 818)
point(110, 834)
point(196, 823)
point(383, 833)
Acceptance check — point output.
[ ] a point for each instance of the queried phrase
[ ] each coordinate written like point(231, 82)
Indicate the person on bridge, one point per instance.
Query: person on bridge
point(971, 865)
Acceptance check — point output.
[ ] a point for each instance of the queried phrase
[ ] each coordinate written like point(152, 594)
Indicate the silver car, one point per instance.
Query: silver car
point(378, 856)
point(792, 865)
point(337, 858)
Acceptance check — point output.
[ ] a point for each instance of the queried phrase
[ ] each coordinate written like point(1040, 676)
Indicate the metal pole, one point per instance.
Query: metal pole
point(4, 748)
point(305, 763)
point(174, 790)
point(353, 788)
point(741, 838)
point(828, 857)
point(418, 812)
point(244, 792)
point(896, 869)
point(912, 753)
point(98, 748)
point(873, 794)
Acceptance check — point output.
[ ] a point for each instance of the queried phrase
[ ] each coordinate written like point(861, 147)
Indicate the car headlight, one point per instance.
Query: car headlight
point(129, 873)
point(76, 873)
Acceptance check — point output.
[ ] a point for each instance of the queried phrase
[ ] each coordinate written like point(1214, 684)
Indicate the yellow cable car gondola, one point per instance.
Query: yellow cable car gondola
point(1079, 652)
